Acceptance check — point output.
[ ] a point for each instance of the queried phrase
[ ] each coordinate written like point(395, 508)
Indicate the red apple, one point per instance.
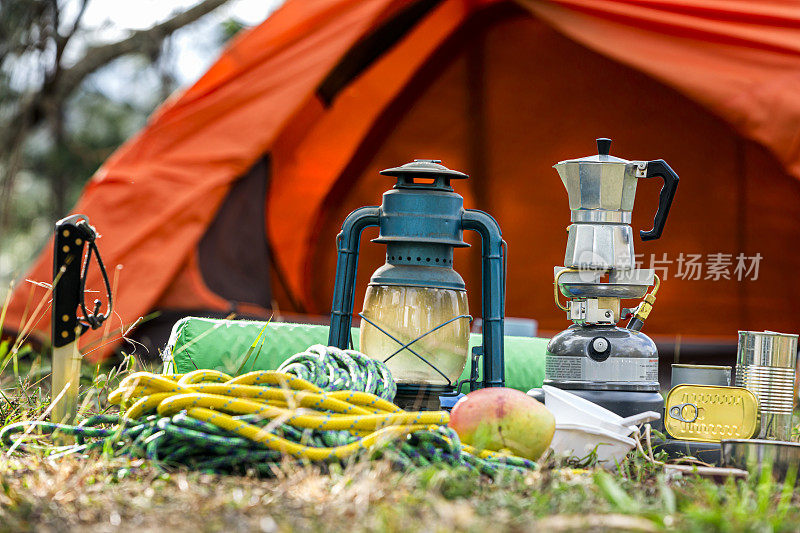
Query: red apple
point(498, 418)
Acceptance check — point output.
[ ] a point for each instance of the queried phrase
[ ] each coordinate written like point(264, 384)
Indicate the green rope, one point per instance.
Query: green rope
point(180, 440)
point(333, 369)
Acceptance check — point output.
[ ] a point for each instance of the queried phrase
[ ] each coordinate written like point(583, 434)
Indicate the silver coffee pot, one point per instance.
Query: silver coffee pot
point(616, 367)
point(601, 191)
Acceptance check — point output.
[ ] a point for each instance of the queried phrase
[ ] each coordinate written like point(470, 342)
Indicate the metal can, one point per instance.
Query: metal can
point(710, 413)
point(701, 375)
point(765, 364)
point(754, 454)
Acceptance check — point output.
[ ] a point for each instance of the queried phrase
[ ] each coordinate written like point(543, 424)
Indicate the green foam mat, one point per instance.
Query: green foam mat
point(224, 345)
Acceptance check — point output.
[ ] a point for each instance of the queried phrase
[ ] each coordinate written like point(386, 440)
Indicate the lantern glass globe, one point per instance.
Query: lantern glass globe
point(406, 312)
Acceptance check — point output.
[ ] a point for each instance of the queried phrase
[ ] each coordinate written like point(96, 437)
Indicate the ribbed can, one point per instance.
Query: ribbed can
point(765, 364)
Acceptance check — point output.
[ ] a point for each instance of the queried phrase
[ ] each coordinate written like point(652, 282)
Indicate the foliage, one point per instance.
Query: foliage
point(77, 493)
point(57, 123)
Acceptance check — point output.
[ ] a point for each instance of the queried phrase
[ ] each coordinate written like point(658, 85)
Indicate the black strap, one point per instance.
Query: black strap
point(94, 319)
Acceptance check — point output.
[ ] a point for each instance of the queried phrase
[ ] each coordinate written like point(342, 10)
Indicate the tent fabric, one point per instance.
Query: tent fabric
point(744, 68)
point(734, 196)
point(739, 59)
point(723, 70)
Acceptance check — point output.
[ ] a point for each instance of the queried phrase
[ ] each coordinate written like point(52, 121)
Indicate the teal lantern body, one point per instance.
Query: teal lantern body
point(415, 315)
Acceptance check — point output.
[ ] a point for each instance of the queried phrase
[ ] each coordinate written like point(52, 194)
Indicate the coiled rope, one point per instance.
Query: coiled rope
point(214, 422)
point(333, 369)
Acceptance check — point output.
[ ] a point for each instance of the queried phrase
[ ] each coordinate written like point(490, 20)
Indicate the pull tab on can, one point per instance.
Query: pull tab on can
point(676, 412)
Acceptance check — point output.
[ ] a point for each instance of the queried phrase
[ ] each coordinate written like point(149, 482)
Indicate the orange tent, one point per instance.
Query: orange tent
point(230, 198)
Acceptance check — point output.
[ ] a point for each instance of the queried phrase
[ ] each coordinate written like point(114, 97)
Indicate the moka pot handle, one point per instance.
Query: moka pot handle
point(660, 169)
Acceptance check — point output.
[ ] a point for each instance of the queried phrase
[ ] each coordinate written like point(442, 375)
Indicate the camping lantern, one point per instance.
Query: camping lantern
point(415, 316)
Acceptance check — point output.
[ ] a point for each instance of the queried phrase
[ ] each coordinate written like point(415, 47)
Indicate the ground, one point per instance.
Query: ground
point(114, 495)
point(100, 493)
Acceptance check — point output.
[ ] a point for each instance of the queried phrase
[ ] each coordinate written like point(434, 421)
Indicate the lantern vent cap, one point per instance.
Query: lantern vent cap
point(424, 169)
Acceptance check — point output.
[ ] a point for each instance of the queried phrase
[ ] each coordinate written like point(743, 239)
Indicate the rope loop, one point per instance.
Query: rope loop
point(333, 369)
point(93, 319)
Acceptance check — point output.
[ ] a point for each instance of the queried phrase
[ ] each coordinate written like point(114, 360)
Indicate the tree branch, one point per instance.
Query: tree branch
point(99, 56)
point(63, 40)
point(33, 107)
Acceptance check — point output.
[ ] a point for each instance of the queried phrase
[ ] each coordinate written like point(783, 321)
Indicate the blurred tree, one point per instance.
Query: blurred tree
point(55, 127)
point(229, 28)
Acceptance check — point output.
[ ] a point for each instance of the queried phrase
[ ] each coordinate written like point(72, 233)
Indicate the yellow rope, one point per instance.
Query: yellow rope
point(215, 397)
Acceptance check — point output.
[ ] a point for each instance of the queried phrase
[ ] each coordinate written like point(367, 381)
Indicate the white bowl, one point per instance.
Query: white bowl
point(579, 440)
point(570, 408)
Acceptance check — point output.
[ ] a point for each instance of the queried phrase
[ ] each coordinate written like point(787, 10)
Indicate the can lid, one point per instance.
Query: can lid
point(710, 413)
point(709, 367)
point(769, 333)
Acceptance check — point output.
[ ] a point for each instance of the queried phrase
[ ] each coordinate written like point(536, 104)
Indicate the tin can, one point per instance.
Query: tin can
point(710, 413)
point(754, 454)
point(701, 375)
point(765, 364)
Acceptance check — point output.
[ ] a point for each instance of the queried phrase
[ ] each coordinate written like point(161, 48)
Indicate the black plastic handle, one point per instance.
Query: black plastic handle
point(71, 236)
point(660, 169)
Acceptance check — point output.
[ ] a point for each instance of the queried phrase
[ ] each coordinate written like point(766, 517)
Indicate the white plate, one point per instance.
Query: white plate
point(579, 440)
point(570, 408)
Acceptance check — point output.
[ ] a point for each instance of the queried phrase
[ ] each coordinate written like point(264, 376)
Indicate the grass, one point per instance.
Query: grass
point(72, 493)
point(103, 494)
point(111, 494)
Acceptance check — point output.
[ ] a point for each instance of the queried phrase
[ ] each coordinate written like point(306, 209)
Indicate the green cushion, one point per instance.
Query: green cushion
point(224, 345)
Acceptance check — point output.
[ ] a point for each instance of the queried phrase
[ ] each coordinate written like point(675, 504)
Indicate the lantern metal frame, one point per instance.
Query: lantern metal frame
point(421, 220)
point(406, 346)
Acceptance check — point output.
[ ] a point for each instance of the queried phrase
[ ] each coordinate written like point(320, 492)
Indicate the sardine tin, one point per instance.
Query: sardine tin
point(710, 413)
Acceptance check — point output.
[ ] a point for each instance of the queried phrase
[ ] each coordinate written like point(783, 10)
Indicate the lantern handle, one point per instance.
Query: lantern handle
point(347, 244)
point(494, 251)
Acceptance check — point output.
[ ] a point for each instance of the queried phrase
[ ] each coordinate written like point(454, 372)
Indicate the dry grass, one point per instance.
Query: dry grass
point(130, 496)
point(73, 494)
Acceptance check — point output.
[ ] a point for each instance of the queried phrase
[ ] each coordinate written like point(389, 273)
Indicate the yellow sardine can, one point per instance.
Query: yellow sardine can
point(711, 413)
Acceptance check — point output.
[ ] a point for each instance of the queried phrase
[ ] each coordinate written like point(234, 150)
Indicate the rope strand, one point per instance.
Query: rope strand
point(213, 422)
